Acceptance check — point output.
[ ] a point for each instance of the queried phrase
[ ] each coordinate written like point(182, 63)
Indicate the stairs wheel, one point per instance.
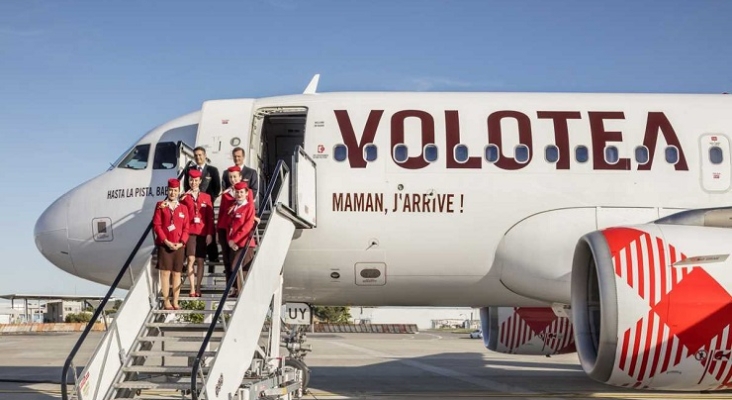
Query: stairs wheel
point(299, 364)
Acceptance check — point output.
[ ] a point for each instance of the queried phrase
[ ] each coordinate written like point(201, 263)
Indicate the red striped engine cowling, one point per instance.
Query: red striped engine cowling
point(651, 306)
point(526, 330)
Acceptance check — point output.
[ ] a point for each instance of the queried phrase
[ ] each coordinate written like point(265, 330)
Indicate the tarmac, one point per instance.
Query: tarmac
point(426, 365)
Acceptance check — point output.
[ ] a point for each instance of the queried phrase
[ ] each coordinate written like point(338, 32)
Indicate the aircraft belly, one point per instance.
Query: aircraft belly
point(351, 278)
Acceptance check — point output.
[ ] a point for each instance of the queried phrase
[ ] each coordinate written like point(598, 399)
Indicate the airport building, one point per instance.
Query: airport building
point(423, 317)
point(9, 315)
point(33, 308)
point(57, 310)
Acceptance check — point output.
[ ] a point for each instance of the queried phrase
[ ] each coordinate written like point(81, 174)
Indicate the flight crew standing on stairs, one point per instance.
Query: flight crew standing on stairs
point(242, 221)
point(228, 198)
point(170, 224)
point(200, 209)
point(248, 175)
point(211, 184)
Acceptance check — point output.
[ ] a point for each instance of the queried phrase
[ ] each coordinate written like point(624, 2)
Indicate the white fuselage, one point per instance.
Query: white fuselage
point(444, 233)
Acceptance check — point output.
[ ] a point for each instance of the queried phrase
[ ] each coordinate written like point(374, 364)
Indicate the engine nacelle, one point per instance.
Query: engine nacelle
point(651, 306)
point(526, 330)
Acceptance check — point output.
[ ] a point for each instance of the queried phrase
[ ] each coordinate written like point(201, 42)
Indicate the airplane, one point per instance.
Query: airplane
point(575, 221)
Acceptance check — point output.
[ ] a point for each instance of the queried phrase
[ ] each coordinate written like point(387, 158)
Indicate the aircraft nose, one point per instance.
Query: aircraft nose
point(51, 235)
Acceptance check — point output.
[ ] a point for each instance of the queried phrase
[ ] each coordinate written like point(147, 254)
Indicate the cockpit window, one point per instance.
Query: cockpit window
point(137, 158)
point(166, 155)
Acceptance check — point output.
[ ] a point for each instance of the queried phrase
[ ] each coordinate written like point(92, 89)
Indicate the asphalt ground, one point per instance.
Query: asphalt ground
point(426, 365)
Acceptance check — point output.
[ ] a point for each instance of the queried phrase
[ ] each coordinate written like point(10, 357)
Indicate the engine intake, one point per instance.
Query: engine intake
point(651, 306)
point(526, 330)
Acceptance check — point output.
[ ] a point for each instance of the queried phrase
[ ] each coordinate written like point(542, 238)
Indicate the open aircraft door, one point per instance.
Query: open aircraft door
point(305, 189)
point(225, 124)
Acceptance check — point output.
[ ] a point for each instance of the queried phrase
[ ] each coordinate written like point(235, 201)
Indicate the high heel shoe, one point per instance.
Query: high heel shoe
point(168, 308)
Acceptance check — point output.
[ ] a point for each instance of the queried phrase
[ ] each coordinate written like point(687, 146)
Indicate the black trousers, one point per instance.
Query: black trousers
point(212, 250)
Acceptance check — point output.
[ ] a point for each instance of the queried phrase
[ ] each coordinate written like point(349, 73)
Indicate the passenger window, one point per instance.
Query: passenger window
point(461, 153)
point(166, 155)
point(522, 153)
point(672, 155)
point(340, 152)
point(551, 153)
point(581, 154)
point(370, 152)
point(491, 153)
point(430, 153)
point(137, 158)
point(611, 155)
point(401, 153)
point(716, 156)
point(641, 154)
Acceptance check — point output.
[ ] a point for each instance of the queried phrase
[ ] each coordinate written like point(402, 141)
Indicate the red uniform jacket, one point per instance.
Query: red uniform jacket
point(241, 222)
point(201, 213)
point(227, 200)
point(170, 224)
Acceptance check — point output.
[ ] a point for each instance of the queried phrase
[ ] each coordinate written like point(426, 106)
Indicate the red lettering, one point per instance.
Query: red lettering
point(495, 137)
point(428, 135)
point(600, 137)
point(658, 123)
point(355, 149)
point(452, 139)
point(561, 133)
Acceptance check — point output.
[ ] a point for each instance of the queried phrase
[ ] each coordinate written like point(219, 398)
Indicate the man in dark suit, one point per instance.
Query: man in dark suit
point(211, 184)
point(248, 175)
point(210, 181)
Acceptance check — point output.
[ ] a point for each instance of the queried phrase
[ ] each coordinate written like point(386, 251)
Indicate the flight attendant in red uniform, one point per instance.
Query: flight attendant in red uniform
point(170, 224)
point(242, 220)
point(227, 200)
point(200, 210)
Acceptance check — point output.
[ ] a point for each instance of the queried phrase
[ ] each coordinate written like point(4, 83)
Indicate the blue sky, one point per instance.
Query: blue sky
point(81, 81)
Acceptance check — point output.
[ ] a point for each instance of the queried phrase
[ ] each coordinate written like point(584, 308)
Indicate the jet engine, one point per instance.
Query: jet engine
point(651, 304)
point(526, 330)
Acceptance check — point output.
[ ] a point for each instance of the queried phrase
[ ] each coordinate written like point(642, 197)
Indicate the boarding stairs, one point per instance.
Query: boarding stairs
point(217, 346)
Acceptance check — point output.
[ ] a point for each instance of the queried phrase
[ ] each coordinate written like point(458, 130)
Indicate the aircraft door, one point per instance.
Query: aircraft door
point(304, 187)
point(715, 162)
point(225, 124)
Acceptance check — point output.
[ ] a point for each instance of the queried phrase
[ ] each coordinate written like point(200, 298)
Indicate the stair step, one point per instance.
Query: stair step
point(214, 263)
point(180, 326)
point(176, 339)
point(186, 311)
point(173, 353)
point(205, 289)
point(216, 297)
point(152, 385)
point(161, 370)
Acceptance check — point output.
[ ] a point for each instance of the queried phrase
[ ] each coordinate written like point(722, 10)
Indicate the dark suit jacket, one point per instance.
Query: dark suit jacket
point(249, 176)
point(210, 181)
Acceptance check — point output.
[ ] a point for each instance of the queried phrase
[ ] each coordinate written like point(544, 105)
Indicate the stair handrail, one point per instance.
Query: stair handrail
point(100, 308)
point(280, 170)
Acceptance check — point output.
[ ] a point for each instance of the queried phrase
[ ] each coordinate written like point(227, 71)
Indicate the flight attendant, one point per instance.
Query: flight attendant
point(227, 200)
point(200, 210)
point(170, 224)
point(242, 220)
